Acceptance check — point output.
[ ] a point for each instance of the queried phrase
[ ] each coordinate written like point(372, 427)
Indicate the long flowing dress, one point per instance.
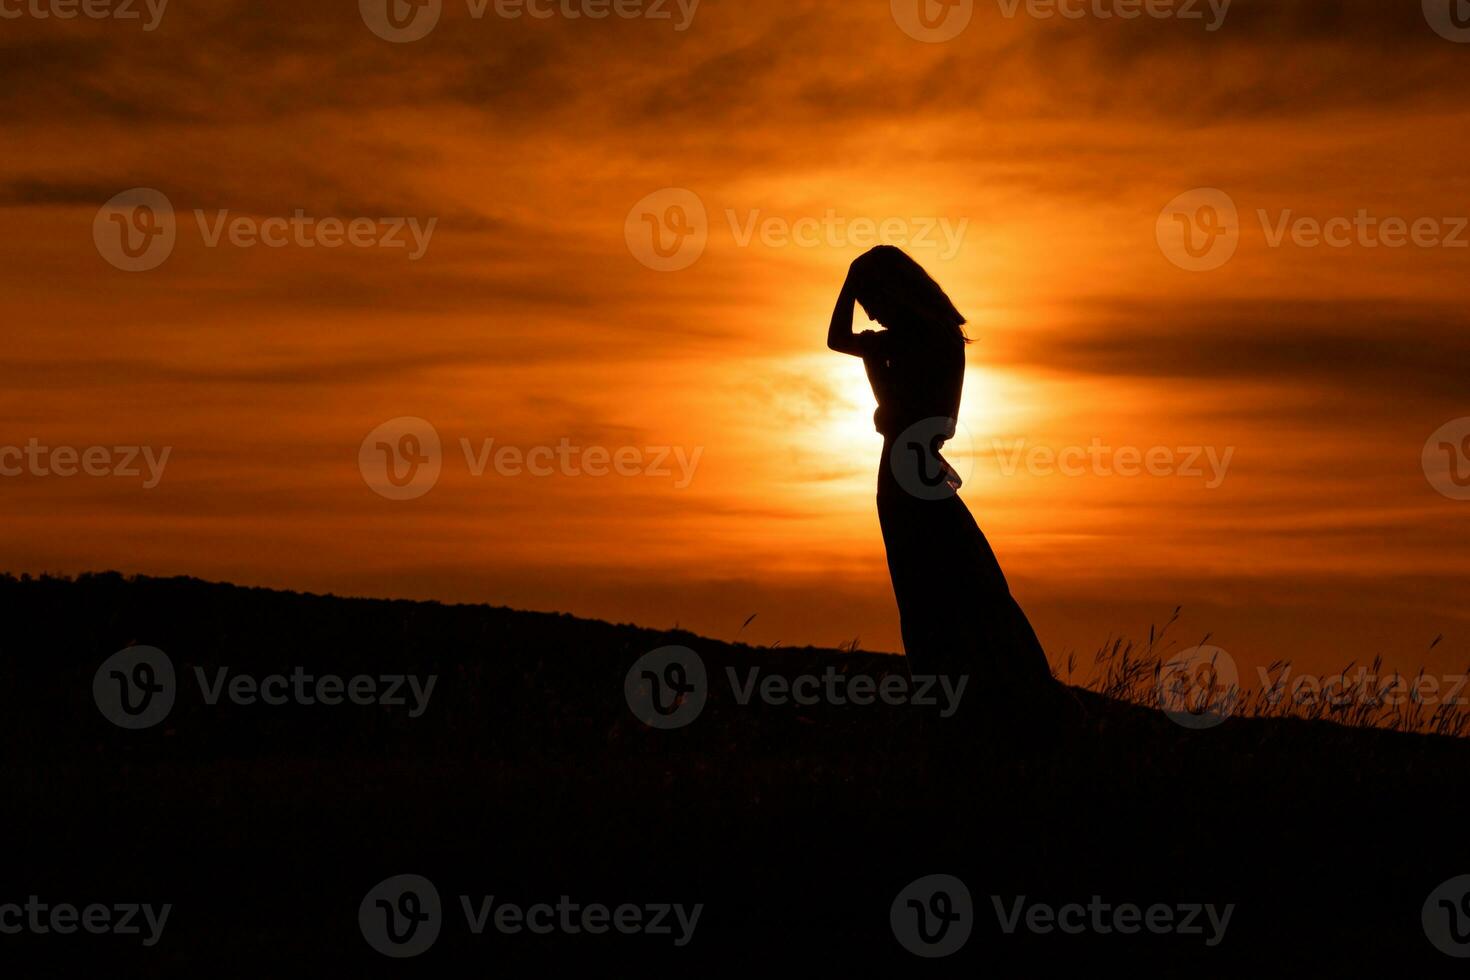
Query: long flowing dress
point(956, 611)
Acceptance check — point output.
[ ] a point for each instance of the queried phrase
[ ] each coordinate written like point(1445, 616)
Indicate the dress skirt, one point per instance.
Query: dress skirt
point(956, 611)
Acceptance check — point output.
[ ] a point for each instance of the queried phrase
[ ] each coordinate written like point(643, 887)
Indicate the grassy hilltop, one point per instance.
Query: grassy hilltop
point(527, 775)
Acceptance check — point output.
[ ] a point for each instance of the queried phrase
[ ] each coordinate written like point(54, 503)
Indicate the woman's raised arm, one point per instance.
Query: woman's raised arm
point(839, 335)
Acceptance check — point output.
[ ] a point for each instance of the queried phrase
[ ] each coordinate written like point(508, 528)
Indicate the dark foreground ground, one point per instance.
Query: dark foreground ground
point(528, 778)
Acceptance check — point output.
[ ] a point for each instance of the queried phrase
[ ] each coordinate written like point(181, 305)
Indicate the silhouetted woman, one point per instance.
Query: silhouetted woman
point(955, 609)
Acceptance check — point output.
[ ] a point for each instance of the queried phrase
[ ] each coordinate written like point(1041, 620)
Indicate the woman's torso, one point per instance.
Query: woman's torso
point(915, 376)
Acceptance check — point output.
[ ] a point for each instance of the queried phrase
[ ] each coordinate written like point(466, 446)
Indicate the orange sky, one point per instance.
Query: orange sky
point(1047, 148)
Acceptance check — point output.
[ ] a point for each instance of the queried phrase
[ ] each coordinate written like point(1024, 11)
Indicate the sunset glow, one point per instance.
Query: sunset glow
point(1030, 161)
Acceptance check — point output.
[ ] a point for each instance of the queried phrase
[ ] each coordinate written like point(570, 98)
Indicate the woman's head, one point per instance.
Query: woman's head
point(897, 292)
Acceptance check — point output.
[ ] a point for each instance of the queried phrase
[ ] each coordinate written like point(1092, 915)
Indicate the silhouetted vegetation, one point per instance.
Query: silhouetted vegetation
point(1147, 674)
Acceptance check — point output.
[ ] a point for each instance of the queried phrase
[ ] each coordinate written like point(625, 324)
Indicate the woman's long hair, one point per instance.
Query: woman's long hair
point(886, 277)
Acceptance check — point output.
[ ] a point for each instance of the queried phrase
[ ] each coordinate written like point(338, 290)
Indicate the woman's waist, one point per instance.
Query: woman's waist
point(927, 423)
